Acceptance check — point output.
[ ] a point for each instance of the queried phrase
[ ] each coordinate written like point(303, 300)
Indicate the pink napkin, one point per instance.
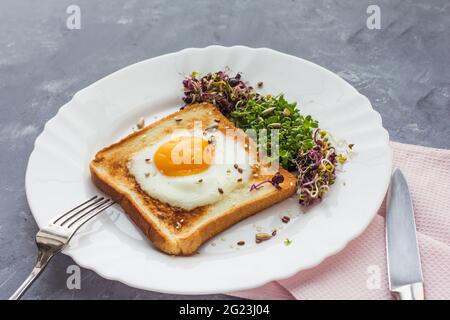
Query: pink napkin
point(359, 271)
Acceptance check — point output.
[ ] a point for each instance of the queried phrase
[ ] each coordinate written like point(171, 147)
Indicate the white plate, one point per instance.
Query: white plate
point(58, 176)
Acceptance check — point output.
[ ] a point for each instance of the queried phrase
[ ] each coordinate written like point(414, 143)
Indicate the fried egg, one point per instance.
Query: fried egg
point(190, 170)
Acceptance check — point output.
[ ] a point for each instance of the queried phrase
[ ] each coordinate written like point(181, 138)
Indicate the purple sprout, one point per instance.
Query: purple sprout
point(218, 88)
point(276, 180)
point(316, 170)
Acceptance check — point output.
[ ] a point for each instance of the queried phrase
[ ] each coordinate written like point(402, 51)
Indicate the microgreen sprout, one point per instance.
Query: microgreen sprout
point(218, 88)
point(303, 148)
point(316, 168)
point(276, 180)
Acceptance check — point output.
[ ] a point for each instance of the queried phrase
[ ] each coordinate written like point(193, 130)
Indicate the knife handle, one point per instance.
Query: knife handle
point(410, 292)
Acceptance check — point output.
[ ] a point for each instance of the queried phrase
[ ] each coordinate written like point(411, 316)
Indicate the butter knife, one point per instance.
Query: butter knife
point(403, 258)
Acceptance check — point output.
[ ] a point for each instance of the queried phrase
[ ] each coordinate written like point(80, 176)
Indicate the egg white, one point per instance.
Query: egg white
point(187, 192)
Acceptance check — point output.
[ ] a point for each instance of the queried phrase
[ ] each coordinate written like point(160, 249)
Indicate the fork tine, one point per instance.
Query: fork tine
point(85, 218)
point(73, 209)
point(80, 214)
point(80, 211)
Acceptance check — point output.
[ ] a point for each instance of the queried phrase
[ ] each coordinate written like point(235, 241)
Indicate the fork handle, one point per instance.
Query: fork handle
point(44, 257)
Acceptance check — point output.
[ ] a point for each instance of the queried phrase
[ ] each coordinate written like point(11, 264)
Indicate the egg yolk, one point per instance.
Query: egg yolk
point(183, 156)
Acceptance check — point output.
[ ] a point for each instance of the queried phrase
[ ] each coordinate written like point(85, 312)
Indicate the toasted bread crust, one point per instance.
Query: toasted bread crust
point(190, 244)
point(150, 229)
point(183, 243)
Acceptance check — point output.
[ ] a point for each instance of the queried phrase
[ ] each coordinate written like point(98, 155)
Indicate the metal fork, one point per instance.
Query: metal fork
point(53, 238)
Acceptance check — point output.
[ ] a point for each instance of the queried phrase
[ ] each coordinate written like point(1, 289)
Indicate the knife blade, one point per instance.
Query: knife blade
point(403, 258)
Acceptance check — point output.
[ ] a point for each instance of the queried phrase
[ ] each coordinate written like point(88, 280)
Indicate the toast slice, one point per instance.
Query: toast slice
point(174, 230)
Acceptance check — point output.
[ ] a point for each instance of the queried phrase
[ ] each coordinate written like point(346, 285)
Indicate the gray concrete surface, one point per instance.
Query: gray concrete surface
point(403, 68)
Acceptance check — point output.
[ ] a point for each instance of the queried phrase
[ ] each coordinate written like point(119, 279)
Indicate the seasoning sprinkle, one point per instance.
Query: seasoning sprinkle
point(240, 170)
point(200, 181)
point(213, 126)
point(147, 174)
point(212, 140)
point(285, 219)
point(236, 166)
point(262, 236)
point(241, 243)
point(274, 232)
point(267, 112)
point(140, 124)
point(220, 190)
point(239, 180)
point(275, 125)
